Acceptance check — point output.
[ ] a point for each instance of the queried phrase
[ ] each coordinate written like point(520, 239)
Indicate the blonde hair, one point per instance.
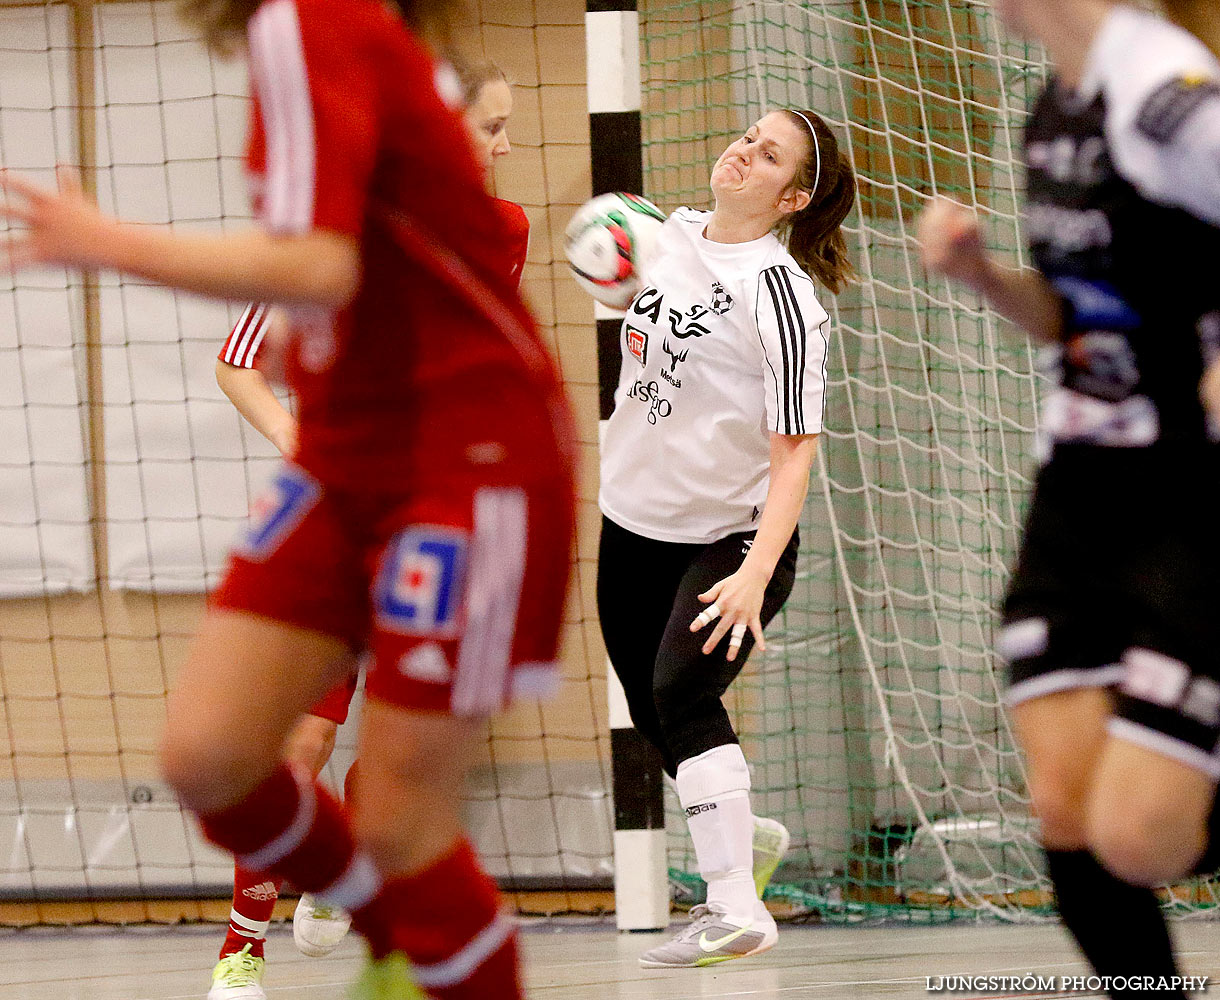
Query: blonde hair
point(475, 75)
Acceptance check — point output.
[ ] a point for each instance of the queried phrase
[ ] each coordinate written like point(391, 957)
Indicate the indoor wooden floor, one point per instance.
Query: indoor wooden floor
point(573, 961)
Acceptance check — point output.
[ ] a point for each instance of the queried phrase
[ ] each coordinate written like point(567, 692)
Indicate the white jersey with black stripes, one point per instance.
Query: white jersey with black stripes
point(726, 345)
point(1162, 93)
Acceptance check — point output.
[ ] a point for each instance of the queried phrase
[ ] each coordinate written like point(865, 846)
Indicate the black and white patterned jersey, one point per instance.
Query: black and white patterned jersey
point(725, 345)
point(1138, 278)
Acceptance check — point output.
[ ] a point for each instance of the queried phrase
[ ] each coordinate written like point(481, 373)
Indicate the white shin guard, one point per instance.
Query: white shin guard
point(714, 789)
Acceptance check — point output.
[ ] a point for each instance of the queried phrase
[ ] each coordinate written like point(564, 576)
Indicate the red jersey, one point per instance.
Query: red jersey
point(516, 238)
point(435, 369)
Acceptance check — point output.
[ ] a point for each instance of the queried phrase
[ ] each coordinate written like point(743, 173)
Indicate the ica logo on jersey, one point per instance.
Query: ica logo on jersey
point(419, 587)
point(278, 510)
point(683, 324)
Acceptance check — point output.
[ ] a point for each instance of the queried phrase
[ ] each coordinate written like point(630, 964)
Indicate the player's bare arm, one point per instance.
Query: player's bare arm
point(249, 391)
point(740, 596)
point(66, 228)
point(951, 244)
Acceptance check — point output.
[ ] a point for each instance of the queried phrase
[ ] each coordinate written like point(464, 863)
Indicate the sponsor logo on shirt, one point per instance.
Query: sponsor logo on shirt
point(419, 587)
point(682, 325)
point(637, 344)
point(722, 301)
point(675, 358)
point(649, 392)
point(278, 510)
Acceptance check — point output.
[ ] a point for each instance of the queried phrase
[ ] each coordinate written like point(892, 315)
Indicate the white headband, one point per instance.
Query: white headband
point(817, 149)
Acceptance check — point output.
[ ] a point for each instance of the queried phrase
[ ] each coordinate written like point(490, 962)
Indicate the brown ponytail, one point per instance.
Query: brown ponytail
point(223, 22)
point(814, 234)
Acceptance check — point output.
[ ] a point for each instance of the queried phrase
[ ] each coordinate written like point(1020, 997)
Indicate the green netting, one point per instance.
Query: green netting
point(874, 722)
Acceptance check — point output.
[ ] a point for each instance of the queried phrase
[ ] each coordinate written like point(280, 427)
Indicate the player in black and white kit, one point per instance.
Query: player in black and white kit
point(1111, 629)
point(705, 466)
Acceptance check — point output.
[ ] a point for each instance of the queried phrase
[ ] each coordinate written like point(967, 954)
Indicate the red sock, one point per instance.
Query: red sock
point(349, 786)
point(254, 896)
point(294, 828)
point(446, 919)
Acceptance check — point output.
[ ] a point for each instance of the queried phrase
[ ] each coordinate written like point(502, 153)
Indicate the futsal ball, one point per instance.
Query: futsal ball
point(608, 243)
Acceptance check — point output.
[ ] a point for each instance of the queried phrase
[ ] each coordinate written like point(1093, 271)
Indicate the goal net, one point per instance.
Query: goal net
point(874, 723)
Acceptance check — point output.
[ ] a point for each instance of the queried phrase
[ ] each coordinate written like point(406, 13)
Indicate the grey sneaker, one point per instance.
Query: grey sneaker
point(770, 845)
point(710, 939)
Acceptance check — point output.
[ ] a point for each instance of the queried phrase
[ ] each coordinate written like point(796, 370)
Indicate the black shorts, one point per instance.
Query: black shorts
point(1118, 585)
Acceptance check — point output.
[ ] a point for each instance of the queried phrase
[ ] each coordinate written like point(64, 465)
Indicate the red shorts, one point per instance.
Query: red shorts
point(457, 592)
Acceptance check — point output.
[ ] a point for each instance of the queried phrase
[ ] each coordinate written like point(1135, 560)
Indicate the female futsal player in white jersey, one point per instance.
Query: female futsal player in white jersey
point(705, 466)
point(317, 928)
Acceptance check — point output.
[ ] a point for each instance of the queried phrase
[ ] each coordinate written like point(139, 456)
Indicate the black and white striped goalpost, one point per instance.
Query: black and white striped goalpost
point(641, 872)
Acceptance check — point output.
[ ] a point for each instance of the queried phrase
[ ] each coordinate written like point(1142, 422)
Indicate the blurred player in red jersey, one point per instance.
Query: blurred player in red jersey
point(427, 514)
point(317, 928)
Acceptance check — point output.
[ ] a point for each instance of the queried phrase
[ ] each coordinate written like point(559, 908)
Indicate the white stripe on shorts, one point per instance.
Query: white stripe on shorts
point(535, 680)
point(1064, 680)
point(493, 597)
point(1168, 746)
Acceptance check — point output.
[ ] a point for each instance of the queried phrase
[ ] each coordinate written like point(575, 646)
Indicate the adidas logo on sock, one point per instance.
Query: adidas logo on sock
point(262, 892)
point(702, 807)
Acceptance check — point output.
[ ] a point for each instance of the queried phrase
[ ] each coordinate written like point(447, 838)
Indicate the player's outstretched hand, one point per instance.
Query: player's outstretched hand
point(951, 243)
point(48, 227)
point(735, 604)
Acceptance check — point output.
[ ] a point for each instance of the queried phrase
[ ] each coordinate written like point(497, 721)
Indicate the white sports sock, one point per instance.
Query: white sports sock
point(714, 789)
